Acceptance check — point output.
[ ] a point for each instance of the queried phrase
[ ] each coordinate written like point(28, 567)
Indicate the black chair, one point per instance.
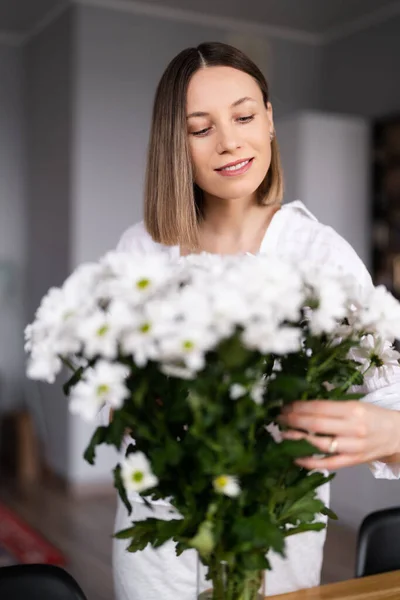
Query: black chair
point(378, 543)
point(38, 582)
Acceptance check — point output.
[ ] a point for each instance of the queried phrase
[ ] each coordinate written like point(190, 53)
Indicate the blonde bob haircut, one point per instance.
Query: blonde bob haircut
point(173, 202)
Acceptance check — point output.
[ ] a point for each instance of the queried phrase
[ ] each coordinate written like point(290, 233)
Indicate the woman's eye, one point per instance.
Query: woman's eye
point(201, 132)
point(246, 119)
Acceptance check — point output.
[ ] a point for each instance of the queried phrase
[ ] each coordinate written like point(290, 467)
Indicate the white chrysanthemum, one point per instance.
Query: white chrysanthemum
point(379, 353)
point(135, 277)
point(237, 391)
point(199, 267)
point(145, 329)
point(270, 284)
point(187, 345)
point(266, 339)
point(83, 281)
point(101, 331)
point(136, 473)
point(43, 364)
point(99, 336)
point(192, 304)
point(176, 371)
point(381, 314)
point(227, 485)
point(332, 304)
point(258, 390)
point(101, 385)
point(57, 319)
point(229, 308)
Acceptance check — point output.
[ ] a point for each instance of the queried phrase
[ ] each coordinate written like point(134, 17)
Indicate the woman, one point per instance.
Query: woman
point(214, 183)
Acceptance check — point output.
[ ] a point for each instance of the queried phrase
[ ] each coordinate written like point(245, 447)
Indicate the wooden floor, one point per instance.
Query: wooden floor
point(81, 528)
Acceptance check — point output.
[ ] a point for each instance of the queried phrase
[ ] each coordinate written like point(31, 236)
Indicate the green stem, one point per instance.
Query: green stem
point(68, 364)
point(323, 365)
point(230, 584)
point(348, 383)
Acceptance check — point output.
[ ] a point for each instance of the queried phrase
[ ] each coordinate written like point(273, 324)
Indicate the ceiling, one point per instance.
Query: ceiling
point(19, 17)
point(314, 17)
point(308, 16)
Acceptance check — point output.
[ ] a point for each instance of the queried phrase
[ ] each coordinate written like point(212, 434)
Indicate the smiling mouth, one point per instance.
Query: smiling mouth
point(235, 166)
point(235, 169)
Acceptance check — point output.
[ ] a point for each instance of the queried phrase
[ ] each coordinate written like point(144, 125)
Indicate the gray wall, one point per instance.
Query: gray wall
point(49, 105)
point(12, 228)
point(327, 166)
point(360, 73)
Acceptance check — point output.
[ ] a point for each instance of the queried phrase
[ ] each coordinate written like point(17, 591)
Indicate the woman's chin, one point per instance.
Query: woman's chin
point(236, 192)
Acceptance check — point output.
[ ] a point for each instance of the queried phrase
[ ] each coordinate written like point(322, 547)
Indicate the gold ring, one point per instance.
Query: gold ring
point(333, 445)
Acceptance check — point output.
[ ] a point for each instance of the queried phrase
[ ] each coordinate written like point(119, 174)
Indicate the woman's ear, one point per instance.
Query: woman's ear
point(270, 115)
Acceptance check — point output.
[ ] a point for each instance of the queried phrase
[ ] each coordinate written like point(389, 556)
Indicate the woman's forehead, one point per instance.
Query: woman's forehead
point(212, 87)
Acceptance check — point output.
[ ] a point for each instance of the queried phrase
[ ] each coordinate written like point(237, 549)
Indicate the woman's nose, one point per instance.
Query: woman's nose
point(228, 140)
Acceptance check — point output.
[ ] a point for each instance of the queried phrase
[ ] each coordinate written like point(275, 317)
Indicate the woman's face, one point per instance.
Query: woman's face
point(229, 130)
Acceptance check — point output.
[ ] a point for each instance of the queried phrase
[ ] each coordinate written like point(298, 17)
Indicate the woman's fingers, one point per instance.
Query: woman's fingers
point(344, 445)
point(330, 408)
point(331, 463)
point(317, 423)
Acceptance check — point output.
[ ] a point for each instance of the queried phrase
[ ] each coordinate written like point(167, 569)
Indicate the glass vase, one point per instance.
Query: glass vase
point(227, 584)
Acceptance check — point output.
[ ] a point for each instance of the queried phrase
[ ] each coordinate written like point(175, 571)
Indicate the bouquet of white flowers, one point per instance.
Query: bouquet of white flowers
point(197, 357)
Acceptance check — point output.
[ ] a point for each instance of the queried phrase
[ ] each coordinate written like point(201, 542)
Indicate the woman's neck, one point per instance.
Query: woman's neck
point(234, 226)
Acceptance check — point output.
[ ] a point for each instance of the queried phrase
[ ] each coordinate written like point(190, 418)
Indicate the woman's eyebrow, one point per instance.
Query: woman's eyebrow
point(200, 113)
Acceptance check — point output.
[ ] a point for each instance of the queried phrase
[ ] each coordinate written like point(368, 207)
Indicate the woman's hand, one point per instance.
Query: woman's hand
point(351, 432)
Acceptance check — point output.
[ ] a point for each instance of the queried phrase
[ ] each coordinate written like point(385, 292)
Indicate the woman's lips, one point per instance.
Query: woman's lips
point(236, 169)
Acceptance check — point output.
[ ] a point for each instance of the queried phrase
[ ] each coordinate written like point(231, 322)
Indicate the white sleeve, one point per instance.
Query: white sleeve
point(381, 388)
point(135, 239)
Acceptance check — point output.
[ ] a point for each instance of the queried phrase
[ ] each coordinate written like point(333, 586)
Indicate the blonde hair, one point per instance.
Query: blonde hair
point(173, 202)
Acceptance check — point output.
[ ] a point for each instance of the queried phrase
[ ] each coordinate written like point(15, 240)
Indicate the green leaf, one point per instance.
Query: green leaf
point(116, 431)
point(139, 393)
point(305, 509)
point(233, 353)
point(287, 387)
point(255, 561)
point(99, 437)
point(257, 531)
point(297, 448)
point(173, 451)
point(119, 486)
point(112, 434)
point(155, 532)
point(306, 485)
point(73, 380)
point(305, 527)
point(204, 541)
point(329, 513)
point(124, 534)
point(353, 396)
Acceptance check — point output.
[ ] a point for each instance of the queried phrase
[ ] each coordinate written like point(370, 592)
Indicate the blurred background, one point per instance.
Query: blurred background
point(77, 80)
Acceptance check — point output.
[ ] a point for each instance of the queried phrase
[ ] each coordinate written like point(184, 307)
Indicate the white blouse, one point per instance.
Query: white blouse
point(296, 234)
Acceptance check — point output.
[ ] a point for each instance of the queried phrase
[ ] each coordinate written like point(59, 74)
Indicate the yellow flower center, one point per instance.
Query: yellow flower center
point(102, 330)
point(145, 328)
point(188, 345)
point(103, 389)
point(137, 476)
point(221, 482)
point(376, 359)
point(142, 284)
